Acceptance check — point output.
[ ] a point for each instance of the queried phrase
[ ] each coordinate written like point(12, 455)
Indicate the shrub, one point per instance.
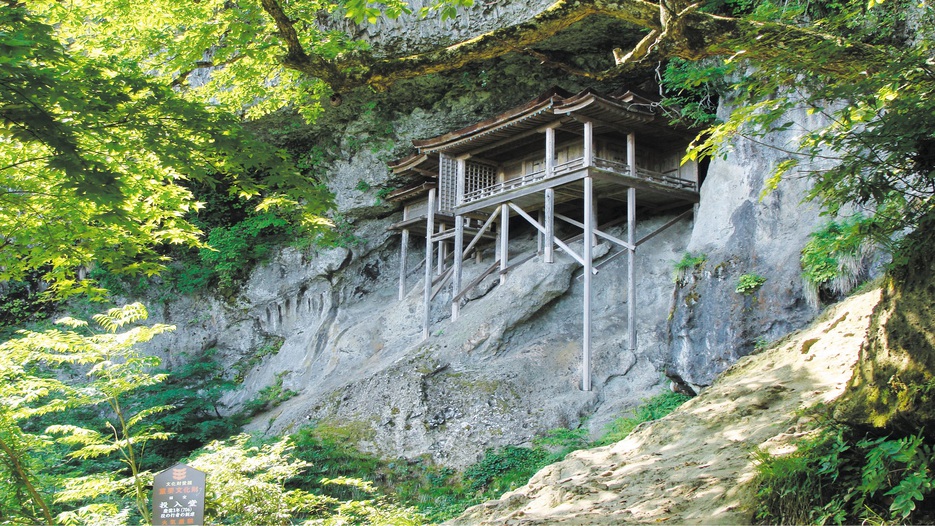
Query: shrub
point(835, 258)
point(831, 478)
point(505, 469)
point(236, 248)
point(749, 283)
point(688, 263)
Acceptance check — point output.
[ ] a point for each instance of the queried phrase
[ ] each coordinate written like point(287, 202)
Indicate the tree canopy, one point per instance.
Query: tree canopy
point(95, 154)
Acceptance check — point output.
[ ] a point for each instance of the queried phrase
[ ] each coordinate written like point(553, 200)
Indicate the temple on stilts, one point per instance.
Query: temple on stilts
point(556, 158)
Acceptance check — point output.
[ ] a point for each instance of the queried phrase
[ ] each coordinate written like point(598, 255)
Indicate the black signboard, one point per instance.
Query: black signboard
point(179, 497)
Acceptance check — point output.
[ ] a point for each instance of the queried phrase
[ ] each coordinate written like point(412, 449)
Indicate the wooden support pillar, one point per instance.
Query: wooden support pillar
point(429, 245)
point(504, 241)
point(631, 252)
point(588, 143)
point(549, 254)
point(459, 240)
point(631, 153)
point(548, 214)
point(549, 152)
point(403, 255)
point(588, 265)
point(631, 269)
point(594, 240)
point(442, 249)
point(456, 278)
point(540, 237)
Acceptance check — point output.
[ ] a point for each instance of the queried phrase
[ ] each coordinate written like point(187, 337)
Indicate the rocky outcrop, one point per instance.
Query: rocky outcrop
point(740, 231)
point(892, 388)
point(327, 325)
point(506, 371)
point(694, 466)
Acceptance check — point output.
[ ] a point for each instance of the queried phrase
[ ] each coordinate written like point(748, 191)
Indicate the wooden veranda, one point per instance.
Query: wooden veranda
point(560, 149)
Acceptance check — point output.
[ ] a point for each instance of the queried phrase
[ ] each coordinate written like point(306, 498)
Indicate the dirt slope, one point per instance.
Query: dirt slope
point(693, 467)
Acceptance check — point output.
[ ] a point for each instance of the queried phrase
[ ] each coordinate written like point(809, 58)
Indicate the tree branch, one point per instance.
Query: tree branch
point(676, 29)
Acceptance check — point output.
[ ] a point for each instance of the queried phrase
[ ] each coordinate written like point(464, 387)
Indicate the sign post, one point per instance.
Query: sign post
point(179, 497)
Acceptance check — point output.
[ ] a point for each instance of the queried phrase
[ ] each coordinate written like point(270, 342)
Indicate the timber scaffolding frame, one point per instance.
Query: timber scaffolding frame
point(559, 149)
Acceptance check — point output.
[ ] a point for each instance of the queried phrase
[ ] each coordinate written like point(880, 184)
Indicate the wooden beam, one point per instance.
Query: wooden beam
point(523, 191)
point(522, 213)
point(588, 144)
point(427, 294)
point(459, 258)
point(494, 266)
point(588, 262)
point(597, 232)
point(403, 254)
point(549, 255)
point(548, 215)
point(504, 241)
point(519, 136)
point(671, 222)
point(631, 270)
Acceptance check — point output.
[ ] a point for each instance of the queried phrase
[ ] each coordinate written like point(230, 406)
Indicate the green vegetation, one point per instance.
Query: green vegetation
point(687, 265)
point(870, 146)
point(441, 493)
point(749, 283)
point(651, 409)
point(99, 154)
point(690, 261)
point(834, 259)
point(833, 478)
point(86, 419)
point(115, 371)
point(694, 88)
point(269, 397)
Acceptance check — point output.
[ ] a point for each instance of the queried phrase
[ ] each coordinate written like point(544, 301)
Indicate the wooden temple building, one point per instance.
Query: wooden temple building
point(561, 152)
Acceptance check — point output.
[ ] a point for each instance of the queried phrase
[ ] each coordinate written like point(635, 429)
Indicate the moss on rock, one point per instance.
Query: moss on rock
point(894, 381)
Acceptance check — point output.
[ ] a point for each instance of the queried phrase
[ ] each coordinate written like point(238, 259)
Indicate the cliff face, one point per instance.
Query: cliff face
point(327, 324)
point(740, 231)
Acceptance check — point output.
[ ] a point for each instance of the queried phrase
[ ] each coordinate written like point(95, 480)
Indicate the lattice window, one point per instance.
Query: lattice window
point(447, 183)
point(477, 176)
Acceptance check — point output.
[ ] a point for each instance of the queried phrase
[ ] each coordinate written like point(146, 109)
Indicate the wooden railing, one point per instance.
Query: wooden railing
point(669, 178)
point(509, 184)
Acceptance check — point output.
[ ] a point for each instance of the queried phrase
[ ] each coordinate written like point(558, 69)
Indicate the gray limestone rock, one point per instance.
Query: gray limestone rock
point(327, 324)
point(740, 231)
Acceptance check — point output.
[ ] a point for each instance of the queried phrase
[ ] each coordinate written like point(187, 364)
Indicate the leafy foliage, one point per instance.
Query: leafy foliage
point(247, 483)
point(835, 258)
point(832, 478)
point(21, 303)
point(694, 89)
point(749, 283)
point(690, 261)
point(231, 250)
point(94, 154)
point(505, 469)
point(269, 397)
point(193, 392)
point(688, 264)
point(116, 370)
point(869, 143)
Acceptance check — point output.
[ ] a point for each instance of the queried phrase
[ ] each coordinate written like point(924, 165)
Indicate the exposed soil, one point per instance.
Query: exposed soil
point(695, 466)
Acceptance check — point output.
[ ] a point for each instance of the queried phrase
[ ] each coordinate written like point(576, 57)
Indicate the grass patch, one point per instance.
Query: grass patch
point(440, 493)
point(651, 409)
